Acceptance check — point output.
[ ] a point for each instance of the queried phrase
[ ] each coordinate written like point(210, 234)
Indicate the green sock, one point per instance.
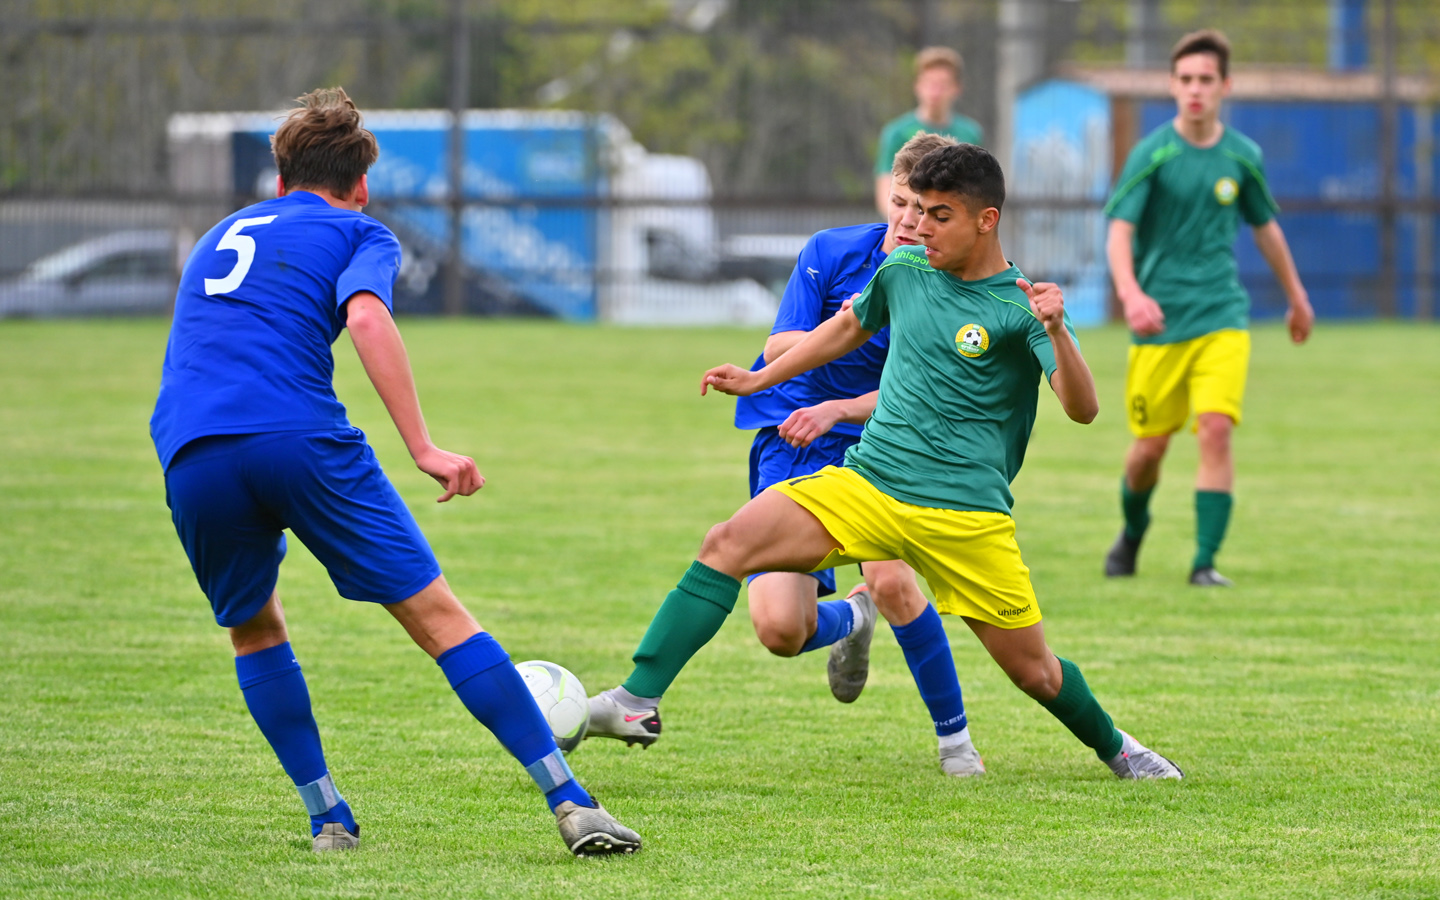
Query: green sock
point(1212, 516)
point(1136, 507)
point(1078, 710)
point(687, 620)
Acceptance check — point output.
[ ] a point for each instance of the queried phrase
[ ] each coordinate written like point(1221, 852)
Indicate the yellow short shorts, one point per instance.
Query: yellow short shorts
point(1165, 382)
point(969, 559)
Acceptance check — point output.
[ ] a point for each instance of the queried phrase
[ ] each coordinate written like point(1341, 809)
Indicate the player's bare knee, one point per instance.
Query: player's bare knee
point(726, 549)
point(1213, 431)
point(779, 638)
point(1035, 679)
point(896, 596)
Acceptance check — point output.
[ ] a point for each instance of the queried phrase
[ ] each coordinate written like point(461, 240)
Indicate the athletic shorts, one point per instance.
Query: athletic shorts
point(1165, 382)
point(970, 559)
point(231, 498)
point(773, 460)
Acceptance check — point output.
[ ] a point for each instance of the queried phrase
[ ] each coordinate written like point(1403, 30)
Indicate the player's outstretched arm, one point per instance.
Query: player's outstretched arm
point(1300, 317)
point(382, 353)
point(1142, 313)
point(1072, 381)
point(829, 341)
point(806, 424)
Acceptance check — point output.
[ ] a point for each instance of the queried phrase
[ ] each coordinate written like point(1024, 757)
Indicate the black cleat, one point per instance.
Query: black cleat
point(1208, 577)
point(1120, 561)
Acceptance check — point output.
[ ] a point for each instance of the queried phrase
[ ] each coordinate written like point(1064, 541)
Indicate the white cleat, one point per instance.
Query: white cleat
point(333, 836)
point(962, 761)
point(613, 719)
point(591, 831)
point(849, 665)
point(1137, 761)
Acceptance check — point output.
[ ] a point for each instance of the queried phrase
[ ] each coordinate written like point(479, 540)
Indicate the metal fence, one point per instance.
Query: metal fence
point(664, 161)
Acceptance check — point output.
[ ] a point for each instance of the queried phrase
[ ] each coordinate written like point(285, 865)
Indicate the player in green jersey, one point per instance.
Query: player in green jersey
point(929, 482)
point(1174, 215)
point(939, 82)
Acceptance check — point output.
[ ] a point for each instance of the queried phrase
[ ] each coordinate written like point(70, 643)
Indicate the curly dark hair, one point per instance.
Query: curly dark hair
point(963, 169)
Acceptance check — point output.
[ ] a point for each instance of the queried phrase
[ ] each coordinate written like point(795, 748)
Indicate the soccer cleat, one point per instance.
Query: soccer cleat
point(1208, 577)
point(613, 719)
point(1137, 762)
point(333, 836)
point(849, 664)
point(591, 831)
point(962, 761)
point(1120, 561)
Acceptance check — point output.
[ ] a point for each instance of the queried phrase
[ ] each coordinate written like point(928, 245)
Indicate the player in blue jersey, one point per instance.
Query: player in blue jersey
point(803, 425)
point(253, 441)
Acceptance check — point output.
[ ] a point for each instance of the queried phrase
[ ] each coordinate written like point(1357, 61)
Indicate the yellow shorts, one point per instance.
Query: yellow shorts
point(1165, 382)
point(970, 559)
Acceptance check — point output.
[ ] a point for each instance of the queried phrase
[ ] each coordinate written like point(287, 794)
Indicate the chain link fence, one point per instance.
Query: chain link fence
point(664, 161)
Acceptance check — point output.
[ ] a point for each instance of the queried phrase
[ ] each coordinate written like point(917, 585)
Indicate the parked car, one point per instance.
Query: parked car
point(121, 273)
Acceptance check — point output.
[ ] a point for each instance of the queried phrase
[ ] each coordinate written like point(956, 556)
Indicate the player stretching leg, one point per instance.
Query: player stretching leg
point(1174, 216)
point(804, 425)
point(929, 482)
point(253, 441)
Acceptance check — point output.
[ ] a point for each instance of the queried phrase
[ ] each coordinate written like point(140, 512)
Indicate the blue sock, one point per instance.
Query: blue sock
point(480, 672)
point(833, 620)
point(279, 701)
point(927, 652)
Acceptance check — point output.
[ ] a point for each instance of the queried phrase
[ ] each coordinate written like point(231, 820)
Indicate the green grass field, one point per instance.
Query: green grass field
point(1302, 705)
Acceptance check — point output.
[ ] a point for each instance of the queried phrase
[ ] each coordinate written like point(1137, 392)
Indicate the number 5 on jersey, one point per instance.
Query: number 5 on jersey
point(244, 247)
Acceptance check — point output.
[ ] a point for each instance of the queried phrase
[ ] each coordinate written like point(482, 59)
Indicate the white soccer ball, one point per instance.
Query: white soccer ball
point(561, 698)
point(972, 337)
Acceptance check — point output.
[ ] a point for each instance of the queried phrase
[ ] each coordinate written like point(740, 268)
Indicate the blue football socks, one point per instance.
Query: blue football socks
point(275, 691)
point(834, 619)
point(480, 672)
point(927, 652)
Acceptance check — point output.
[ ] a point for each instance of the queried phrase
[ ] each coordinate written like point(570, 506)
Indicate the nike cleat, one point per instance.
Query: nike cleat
point(591, 831)
point(1139, 762)
point(333, 836)
point(613, 719)
point(1208, 577)
point(849, 665)
point(1120, 561)
point(962, 761)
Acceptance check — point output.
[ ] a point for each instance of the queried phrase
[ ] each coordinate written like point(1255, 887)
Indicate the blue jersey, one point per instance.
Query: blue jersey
point(260, 303)
point(835, 265)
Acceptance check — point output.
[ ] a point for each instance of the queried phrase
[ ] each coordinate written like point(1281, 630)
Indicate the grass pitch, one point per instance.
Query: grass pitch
point(1302, 705)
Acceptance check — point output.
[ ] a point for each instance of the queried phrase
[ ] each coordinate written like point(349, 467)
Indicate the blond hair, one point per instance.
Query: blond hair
point(937, 57)
point(914, 150)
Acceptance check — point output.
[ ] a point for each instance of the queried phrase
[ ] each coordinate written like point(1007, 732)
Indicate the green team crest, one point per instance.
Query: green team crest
point(1226, 190)
point(972, 340)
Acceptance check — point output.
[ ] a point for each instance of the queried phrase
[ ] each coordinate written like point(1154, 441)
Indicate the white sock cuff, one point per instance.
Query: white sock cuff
point(960, 737)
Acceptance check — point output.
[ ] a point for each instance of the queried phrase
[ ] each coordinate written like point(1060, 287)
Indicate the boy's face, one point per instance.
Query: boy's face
point(950, 230)
point(1197, 87)
point(937, 88)
point(903, 214)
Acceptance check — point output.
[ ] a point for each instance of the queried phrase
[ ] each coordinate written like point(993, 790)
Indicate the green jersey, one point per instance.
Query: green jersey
point(959, 389)
point(1186, 203)
point(897, 131)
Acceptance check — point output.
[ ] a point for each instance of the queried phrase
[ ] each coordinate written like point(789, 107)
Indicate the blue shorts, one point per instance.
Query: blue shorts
point(232, 497)
point(772, 460)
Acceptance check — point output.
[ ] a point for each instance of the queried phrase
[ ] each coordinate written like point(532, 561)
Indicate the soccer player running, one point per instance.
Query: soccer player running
point(803, 425)
point(929, 482)
point(253, 441)
point(1174, 215)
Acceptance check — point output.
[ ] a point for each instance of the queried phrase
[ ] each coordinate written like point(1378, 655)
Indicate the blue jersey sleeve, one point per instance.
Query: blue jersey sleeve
point(373, 266)
point(802, 307)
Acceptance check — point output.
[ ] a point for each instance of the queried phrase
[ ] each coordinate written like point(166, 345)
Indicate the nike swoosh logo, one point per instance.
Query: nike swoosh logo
point(633, 718)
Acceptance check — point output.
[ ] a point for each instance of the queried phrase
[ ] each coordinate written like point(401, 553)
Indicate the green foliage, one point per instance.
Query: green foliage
point(1302, 704)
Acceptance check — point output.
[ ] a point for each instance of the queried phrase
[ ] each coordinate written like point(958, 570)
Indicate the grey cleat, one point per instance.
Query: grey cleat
point(333, 836)
point(1120, 561)
point(1208, 577)
point(1137, 761)
point(591, 831)
point(962, 761)
point(613, 719)
point(849, 665)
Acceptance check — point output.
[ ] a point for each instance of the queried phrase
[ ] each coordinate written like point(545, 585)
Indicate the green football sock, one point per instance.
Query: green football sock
point(1078, 710)
point(1212, 517)
point(1136, 507)
point(687, 620)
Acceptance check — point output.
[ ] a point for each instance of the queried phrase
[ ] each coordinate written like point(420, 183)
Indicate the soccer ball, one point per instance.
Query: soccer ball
point(972, 337)
point(561, 698)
